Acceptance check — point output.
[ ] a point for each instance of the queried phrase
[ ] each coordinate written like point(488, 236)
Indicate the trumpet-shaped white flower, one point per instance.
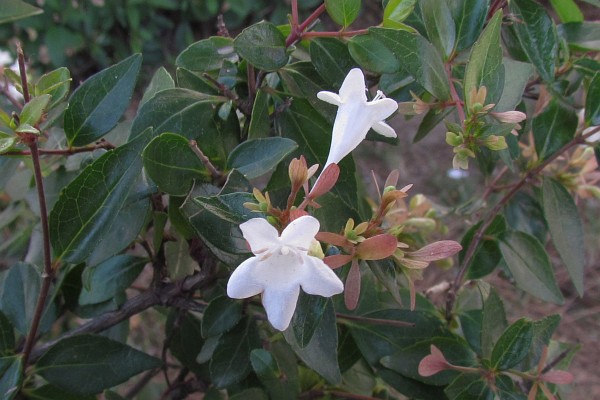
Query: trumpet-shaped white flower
point(281, 267)
point(356, 115)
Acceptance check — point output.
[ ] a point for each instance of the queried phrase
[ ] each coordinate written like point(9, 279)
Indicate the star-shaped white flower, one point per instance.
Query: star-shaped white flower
point(356, 115)
point(281, 267)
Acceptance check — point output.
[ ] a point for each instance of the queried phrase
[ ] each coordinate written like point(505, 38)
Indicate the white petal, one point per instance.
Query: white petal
point(384, 129)
point(381, 109)
point(319, 279)
point(259, 234)
point(242, 283)
point(330, 97)
point(280, 305)
point(300, 232)
point(353, 87)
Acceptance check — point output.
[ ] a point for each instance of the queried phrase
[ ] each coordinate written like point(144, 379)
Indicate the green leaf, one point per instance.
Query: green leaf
point(7, 142)
point(190, 80)
point(468, 386)
point(254, 158)
point(207, 54)
point(172, 164)
point(565, 228)
point(331, 59)
point(512, 93)
point(97, 105)
point(307, 317)
point(536, 33)
point(13, 10)
point(11, 376)
point(524, 213)
point(228, 207)
point(86, 209)
point(19, 298)
point(88, 364)
point(567, 10)
point(161, 80)
point(49, 392)
point(513, 345)
point(397, 11)
point(266, 368)
point(592, 102)
point(260, 124)
point(177, 253)
point(55, 83)
point(418, 57)
point(33, 110)
point(469, 16)
point(529, 265)
point(343, 12)
point(543, 330)
point(263, 46)
point(487, 255)
point(493, 322)
point(439, 25)
point(552, 129)
point(230, 362)
point(484, 67)
point(7, 335)
point(370, 55)
point(184, 332)
point(320, 354)
point(110, 277)
point(581, 36)
point(432, 119)
point(220, 316)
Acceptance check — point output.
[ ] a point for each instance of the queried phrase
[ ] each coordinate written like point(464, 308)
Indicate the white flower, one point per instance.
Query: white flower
point(356, 115)
point(280, 267)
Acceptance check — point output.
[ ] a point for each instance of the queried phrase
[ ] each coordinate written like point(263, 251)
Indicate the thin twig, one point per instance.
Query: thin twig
point(103, 144)
point(298, 32)
point(23, 72)
point(211, 168)
point(375, 321)
point(338, 34)
point(455, 97)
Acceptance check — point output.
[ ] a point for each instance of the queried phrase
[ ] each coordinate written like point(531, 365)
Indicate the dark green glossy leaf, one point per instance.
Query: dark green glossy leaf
point(537, 36)
point(231, 359)
point(55, 83)
point(468, 387)
point(106, 279)
point(469, 16)
point(260, 124)
point(406, 360)
point(343, 12)
point(268, 372)
point(485, 64)
point(172, 164)
point(370, 55)
point(513, 345)
point(529, 265)
point(567, 10)
point(85, 211)
point(565, 228)
point(592, 102)
point(229, 207)
point(254, 158)
point(88, 364)
point(263, 46)
point(7, 336)
point(307, 317)
point(19, 297)
point(161, 80)
point(396, 11)
point(487, 255)
point(512, 92)
point(250, 394)
point(185, 339)
point(418, 57)
point(493, 322)
point(581, 36)
point(301, 80)
point(432, 119)
point(13, 10)
point(410, 387)
point(221, 315)
point(11, 376)
point(320, 354)
point(207, 54)
point(553, 128)
point(439, 25)
point(543, 330)
point(331, 59)
point(49, 392)
point(524, 213)
point(471, 326)
point(190, 80)
point(97, 105)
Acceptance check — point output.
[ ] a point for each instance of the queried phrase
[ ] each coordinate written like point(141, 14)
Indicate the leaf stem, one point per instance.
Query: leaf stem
point(298, 30)
point(335, 34)
point(487, 221)
point(211, 168)
point(455, 97)
point(63, 152)
point(23, 72)
point(375, 321)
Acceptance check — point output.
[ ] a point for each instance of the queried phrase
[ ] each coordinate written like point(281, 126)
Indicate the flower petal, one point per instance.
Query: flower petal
point(280, 305)
point(381, 109)
point(353, 87)
point(242, 283)
point(318, 278)
point(384, 129)
point(259, 234)
point(300, 232)
point(330, 97)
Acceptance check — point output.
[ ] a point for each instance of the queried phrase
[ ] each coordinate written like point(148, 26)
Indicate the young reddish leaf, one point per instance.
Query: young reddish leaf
point(436, 251)
point(558, 377)
point(337, 260)
point(433, 363)
point(326, 181)
point(333, 238)
point(352, 287)
point(377, 247)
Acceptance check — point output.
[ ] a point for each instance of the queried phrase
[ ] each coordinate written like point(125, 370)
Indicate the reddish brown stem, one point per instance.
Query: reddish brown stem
point(63, 152)
point(298, 30)
point(455, 97)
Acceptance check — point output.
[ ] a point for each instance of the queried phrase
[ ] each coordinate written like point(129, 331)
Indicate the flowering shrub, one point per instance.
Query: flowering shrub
point(230, 203)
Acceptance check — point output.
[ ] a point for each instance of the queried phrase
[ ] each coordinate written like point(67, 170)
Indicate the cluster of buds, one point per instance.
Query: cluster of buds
point(578, 172)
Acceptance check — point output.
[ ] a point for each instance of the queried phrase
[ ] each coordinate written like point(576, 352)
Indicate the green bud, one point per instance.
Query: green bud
point(389, 189)
point(454, 139)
